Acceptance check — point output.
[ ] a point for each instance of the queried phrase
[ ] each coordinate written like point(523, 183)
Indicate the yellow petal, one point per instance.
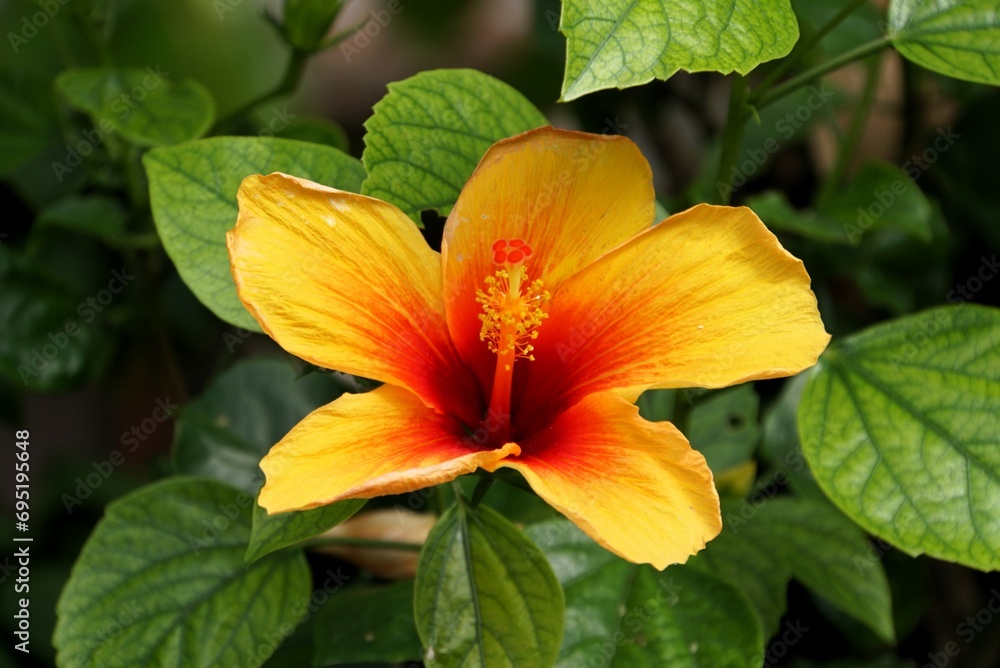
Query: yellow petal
point(707, 298)
point(571, 196)
point(636, 487)
point(364, 445)
point(348, 283)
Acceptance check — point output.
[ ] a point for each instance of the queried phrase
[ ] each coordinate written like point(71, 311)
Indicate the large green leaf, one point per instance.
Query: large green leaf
point(144, 105)
point(959, 38)
point(621, 43)
point(273, 532)
point(368, 624)
point(480, 600)
point(627, 615)
point(225, 432)
point(192, 191)
point(900, 424)
point(426, 136)
point(161, 581)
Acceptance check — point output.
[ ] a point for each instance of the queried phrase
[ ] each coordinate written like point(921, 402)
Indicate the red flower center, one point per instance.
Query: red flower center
point(512, 312)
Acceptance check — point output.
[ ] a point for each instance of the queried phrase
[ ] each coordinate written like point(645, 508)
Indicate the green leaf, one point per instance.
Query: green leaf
point(161, 581)
point(824, 550)
point(724, 427)
point(748, 562)
point(657, 405)
point(94, 215)
point(779, 215)
point(880, 197)
point(622, 43)
point(225, 432)
point(899, 424)
point(307, 21)
point(143, 105)
point(273, 532)
point(481, 599)
point(367, 624)
point(53, 341)
point(879, 662)
point(958, 38)
point(427, 135)
point(629, 615)
point(192, 191)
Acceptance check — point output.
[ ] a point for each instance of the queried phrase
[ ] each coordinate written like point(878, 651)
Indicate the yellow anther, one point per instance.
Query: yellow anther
point(510, 319)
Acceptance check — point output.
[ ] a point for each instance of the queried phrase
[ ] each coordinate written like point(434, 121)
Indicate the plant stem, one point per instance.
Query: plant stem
point(762, 99)
point(807, 45)
point(732, 136)
point(483, 486)
point(364, 542)
point(62, 45)
point(850, 144)
point(289, 82)
point(440, 503)
point(682, 410)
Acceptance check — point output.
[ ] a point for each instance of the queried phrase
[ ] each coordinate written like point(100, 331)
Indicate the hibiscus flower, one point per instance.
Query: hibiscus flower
point(554, 302)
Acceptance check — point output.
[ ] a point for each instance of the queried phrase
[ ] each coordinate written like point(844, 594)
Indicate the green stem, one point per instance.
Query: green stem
point(732, 136)
point(364, 542)
point(483, 486)
point(806, 45)
point(97, 41)
point(850, 144)
point(289, 82)
point(440, 503)
point(763, 98)
point(62, 45)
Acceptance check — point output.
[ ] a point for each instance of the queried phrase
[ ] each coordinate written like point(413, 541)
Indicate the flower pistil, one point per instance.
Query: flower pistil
point(512, 312)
